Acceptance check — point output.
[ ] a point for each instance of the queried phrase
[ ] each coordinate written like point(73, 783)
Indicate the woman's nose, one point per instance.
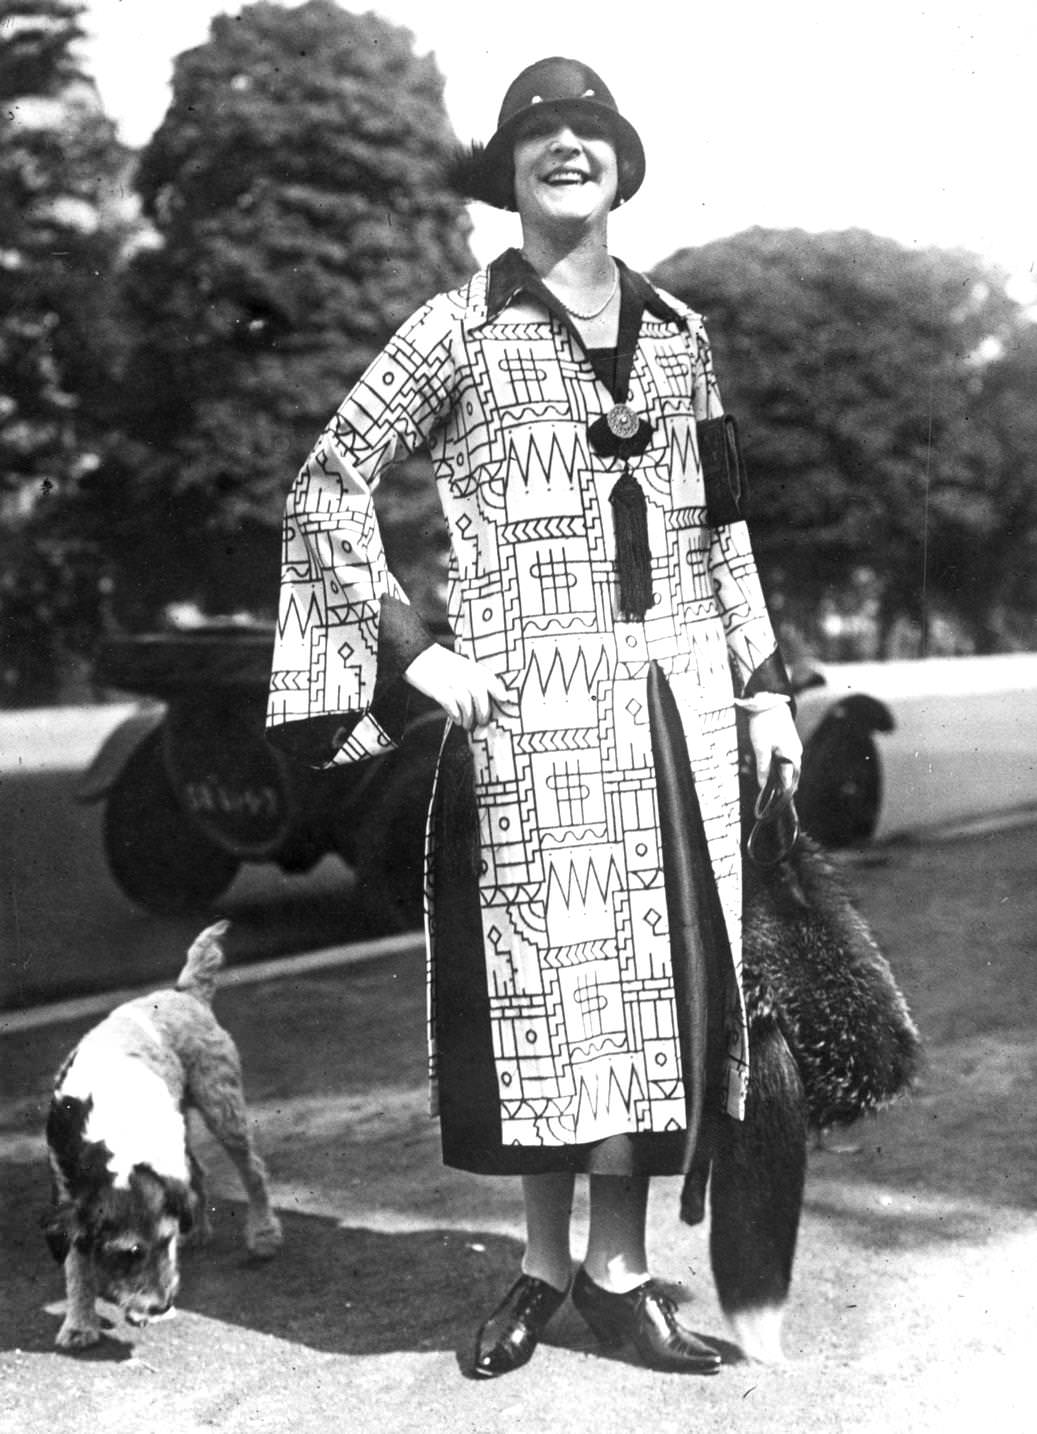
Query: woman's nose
point(564, 141)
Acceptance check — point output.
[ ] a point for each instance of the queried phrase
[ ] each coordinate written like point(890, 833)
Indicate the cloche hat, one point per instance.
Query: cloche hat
point(486, 172)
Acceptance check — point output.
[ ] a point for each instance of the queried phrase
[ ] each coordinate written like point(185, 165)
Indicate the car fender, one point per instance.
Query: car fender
point(867, 712)
point(116, 750)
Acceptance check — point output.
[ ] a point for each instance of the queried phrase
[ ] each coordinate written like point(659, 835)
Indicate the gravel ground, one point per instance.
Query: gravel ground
point(915, 1292)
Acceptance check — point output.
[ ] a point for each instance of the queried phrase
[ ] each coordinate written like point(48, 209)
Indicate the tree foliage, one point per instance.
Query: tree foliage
point(984, 554)
point(63, 223)
point(861, 372)
point(295, 186)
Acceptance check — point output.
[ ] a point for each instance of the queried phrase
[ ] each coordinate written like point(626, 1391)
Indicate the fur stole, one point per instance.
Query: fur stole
point(812, 966)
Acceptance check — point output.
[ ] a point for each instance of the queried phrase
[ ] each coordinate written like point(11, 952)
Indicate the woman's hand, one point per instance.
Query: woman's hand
point(469, 693)
point(772, 733)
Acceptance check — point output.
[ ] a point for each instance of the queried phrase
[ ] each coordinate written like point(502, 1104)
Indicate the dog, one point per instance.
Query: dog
point(126, 1188)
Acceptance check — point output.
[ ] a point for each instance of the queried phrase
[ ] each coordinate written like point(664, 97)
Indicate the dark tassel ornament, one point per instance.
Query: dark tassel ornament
point(633, 556)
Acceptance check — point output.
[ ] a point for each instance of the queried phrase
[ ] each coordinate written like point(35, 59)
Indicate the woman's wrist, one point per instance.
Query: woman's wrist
point(762, 702)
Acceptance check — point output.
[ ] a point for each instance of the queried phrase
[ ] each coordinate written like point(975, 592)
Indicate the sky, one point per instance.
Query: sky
point(910, 120)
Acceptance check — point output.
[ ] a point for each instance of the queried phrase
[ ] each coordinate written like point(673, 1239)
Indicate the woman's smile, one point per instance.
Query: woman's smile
point(565, 166)
point(565, 176)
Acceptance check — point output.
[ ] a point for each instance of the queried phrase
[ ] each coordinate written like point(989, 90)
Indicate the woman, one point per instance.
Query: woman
point(584, 865)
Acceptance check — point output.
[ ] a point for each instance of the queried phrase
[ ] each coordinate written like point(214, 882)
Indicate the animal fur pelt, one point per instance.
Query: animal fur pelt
point(830, 1038)
point(812, 966)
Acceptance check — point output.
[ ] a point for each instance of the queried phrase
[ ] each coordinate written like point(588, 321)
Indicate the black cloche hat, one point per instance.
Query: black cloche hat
point(486, 172)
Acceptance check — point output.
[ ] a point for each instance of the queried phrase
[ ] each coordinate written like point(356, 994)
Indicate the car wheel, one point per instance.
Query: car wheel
point(155, 853)
point(840, 790)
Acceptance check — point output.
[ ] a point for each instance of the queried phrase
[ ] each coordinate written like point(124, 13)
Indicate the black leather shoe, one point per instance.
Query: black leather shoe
point(508, 1338)
point(648, 1319)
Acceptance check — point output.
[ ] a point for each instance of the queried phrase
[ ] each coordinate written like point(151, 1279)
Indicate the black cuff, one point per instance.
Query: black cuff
point(401, 636)
point(313, 741)
point(771, 676)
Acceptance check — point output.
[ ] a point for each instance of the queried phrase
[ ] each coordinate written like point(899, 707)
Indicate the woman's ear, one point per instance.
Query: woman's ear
point(627, 174)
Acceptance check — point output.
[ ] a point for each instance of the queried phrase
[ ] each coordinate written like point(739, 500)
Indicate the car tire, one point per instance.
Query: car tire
point(155, 853)
point(840, 790)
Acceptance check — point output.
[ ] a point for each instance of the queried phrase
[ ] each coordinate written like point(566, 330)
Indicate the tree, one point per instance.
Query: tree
point(984, 558)
point(62, 227)
point(857, 369)
point(295, 186)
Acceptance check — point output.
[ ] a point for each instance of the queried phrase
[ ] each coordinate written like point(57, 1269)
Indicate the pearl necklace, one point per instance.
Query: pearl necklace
point(596, 312)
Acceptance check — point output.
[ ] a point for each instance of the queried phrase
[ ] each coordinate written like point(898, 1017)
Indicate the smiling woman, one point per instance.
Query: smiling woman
point(565, 170)
point(583, 863)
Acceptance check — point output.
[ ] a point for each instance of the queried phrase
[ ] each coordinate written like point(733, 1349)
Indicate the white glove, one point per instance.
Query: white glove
point(772, 733)
point(469, 693)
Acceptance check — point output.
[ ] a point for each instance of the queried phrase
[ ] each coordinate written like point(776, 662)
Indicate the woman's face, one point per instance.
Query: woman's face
point(565, 170)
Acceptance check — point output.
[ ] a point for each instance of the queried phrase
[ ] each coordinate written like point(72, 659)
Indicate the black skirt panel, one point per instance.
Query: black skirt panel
point(469, 1098)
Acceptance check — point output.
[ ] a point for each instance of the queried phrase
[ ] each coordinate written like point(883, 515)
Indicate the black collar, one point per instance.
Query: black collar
point(511, 274)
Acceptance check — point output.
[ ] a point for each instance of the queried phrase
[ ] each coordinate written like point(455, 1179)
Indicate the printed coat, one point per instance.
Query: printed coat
point(574, 914)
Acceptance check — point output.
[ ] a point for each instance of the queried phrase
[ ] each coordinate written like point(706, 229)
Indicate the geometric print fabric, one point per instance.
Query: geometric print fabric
point(574, 913)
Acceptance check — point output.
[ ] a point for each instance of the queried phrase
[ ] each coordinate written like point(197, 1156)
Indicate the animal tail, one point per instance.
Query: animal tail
point(204, 960)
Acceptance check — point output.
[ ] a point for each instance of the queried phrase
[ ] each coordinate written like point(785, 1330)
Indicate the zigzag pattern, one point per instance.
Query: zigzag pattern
point(287, 681)
point(562, 740)
point(562, 676)
point(573, 905)
point(678, 520)
point(578, 954)
point(302, 612)
point(575, 888)
point(539, 530)
point(542, 458)
point(606, 1090)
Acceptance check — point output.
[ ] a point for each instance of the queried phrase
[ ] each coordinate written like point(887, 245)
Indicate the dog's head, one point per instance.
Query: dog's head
point(130, 1234)
point(129, 1229)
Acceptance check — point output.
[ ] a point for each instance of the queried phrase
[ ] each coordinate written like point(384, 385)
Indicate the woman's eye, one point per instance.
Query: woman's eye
point(589, 127)
point(545, 126)
point(539, 127)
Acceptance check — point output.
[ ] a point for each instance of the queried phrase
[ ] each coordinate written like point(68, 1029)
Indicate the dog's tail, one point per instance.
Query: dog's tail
point(203, 962)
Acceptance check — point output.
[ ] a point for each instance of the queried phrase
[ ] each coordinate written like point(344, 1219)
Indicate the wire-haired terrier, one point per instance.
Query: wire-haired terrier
point(126, 1186)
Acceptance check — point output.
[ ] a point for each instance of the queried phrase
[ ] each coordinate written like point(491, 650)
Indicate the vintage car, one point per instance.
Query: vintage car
point(192, 790)
point(902, 748)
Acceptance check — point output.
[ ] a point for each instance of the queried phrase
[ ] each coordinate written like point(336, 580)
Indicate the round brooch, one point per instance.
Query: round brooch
point(622, 421)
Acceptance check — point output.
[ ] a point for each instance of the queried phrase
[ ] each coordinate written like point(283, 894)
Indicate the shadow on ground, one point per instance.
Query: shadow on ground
point(335, 1287)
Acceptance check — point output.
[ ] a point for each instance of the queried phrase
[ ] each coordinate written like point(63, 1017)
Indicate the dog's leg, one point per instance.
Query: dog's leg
point(81, 1326)
point(202, 1229)
point(756, 1196)
point(221, 1104)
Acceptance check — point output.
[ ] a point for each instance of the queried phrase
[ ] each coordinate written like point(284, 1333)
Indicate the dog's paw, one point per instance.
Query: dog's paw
point(264, 1236)
point(76, 1335)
